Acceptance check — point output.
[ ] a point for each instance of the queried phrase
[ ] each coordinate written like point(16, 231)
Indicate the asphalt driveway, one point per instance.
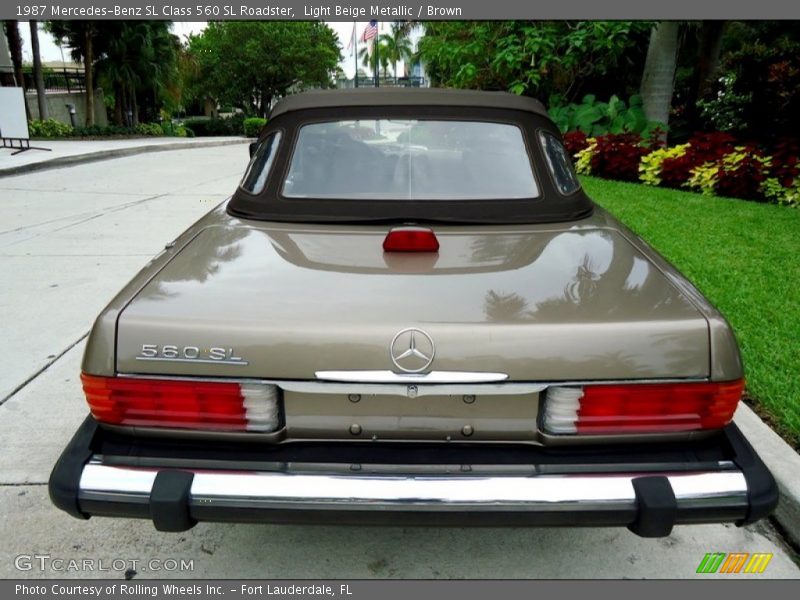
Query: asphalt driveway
point(69, 239)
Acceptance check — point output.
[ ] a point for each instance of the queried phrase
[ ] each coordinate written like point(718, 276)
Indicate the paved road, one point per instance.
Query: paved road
point(69, 239)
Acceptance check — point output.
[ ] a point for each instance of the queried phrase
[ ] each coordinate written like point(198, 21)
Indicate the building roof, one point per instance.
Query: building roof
point(405, 97)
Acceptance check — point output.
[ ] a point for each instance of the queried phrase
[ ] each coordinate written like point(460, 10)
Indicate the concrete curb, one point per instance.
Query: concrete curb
point(77, 159)
point(784, 463)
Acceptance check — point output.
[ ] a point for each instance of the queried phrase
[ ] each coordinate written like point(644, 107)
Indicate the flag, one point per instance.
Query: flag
point(370, 31)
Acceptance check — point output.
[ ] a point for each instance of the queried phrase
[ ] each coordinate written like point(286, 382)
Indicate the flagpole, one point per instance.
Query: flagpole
point(376, 41)
point(355, 53)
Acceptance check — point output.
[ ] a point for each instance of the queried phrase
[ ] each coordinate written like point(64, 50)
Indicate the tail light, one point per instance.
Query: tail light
point(640, 408)
point(410, 239)
point(203, 405)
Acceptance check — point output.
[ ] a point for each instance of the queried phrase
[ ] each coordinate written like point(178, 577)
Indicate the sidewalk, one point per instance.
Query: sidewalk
point(69, 152)
point(782, 461)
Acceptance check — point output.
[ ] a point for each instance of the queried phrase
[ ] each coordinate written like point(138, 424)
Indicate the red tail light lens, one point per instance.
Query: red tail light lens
point(641, 408)
point(410, 239)
point(184, 404)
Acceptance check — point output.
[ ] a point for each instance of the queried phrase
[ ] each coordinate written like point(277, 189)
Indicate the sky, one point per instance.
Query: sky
point(51, 52)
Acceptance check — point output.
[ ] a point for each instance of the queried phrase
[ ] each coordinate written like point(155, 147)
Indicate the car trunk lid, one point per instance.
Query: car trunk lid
point(538, 303)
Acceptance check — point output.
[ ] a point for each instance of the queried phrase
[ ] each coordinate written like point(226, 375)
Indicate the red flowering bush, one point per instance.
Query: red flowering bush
point(574, 142)
point(617, 156)
point(711, 146)
point(714, 163)
point(785, 162)
point(703, 148)
point(741, 174)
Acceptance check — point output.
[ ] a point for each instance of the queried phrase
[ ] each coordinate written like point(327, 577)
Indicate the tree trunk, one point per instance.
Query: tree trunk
point(134, 107)
point(710, 44)
point(15, 48)
point(658, 79)
point(118, 101)
point(38, 76)
point(88, 60)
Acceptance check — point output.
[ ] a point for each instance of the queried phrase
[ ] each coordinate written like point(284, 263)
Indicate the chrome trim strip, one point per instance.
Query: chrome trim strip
point(551, 493)
point(311, 382)
point(412, 389)
point(435, 383)
point(423, 387)
point(392, 377)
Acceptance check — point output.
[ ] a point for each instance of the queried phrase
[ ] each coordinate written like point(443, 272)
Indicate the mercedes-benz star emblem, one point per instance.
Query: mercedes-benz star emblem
point(412, 350)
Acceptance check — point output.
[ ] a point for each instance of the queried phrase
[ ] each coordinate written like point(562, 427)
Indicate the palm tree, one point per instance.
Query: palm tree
point(396, 46)
point(139, 60)
point(15, 49)
point(82, 38)
point(658, 79)
point(120, 66)
point(368, 58)
point(38, 75)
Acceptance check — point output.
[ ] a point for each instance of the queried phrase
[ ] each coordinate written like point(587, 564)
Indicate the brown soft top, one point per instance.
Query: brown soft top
point(293, 112)
point(371, 96)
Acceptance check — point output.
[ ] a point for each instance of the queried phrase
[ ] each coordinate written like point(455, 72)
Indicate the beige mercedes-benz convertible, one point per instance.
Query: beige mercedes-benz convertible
point(410, 312)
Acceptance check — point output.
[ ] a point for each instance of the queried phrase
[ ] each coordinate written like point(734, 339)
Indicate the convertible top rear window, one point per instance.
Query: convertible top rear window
point(407, 159)
point(397, 155)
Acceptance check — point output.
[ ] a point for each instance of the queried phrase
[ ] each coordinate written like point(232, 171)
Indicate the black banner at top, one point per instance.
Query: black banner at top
point(361, 10)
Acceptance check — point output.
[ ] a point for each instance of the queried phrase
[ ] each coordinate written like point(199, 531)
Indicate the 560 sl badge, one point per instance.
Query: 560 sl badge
point(190, 354)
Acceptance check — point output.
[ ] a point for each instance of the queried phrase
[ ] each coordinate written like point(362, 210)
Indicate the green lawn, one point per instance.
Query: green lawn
point(745, 257)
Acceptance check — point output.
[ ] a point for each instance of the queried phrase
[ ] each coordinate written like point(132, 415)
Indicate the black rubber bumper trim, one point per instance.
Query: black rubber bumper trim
point(762, 491)
point(66, 475)
point(170, 508)
point(657, 509)
point(170, 500)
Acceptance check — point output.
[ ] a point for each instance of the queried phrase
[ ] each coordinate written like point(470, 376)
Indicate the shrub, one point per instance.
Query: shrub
point(760, 84)
point(785, 162)
point(49, 128)
point(583, 158)
point(702, 148)
point(703, 178)
point(651, 164)
point(711, 146)
point(148, 129)
point(741, 174)
point(738, 174)
point(574, 142)
point(253, 126)
point(103, 131)
point(602, 118)
point(232, 125)
point(197, 124)
point(618, 156)
point(207, 126)
point(774, 191)
point(169, 128)
point(724, 111)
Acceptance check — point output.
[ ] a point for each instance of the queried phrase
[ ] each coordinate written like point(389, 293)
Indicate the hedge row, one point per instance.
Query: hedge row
point(709, 163)
point(51, 128)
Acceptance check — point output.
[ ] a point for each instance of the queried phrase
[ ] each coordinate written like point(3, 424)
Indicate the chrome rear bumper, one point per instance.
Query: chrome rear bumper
point(271, 490)
point(649, 498)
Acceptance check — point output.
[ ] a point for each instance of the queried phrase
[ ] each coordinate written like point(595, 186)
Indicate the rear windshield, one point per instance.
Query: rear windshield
point(395, 159)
